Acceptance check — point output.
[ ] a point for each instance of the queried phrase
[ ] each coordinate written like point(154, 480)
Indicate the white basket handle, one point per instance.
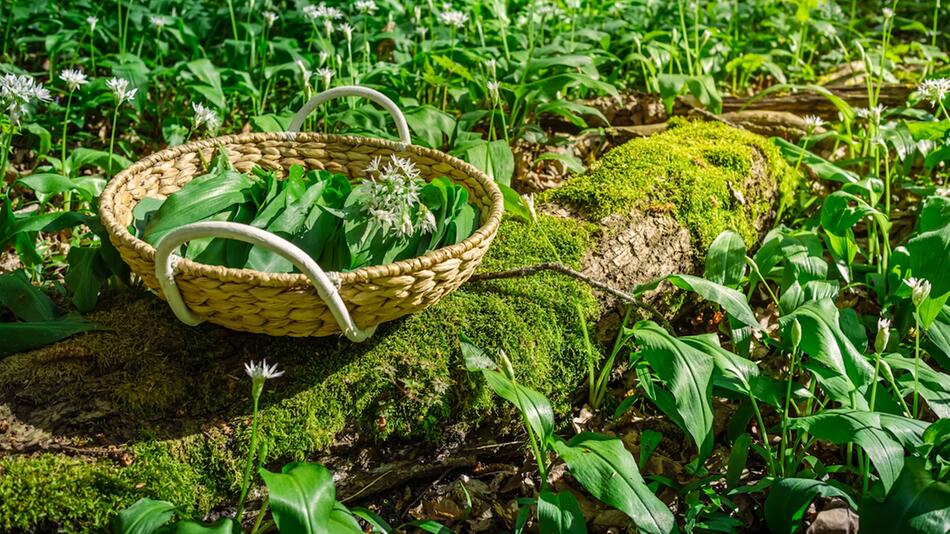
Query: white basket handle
point(354, 90)
point(166, 262)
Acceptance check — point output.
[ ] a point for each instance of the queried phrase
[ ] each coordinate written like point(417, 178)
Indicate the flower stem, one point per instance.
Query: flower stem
point(916, 360)
point(67, 195)
point(115, 119)
point(252, 449)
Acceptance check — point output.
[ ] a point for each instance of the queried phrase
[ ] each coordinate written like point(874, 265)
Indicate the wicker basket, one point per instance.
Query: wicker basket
point(290, 304)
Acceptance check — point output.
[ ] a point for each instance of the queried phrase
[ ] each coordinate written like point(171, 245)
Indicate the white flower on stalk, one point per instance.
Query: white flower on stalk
point(883, 334)
point(206, 116)
point(871, 114)
point(888, 13)
point(453, 18)
point(365, 6)
point(120, 88)
point(422, 31)
point(92, 21)
point(17, 92)
point(324, 56)
point(934, 90)
point(417, 14)
point(392, 196)
point(310, 12)
point(270, 17)
point(158, 21)
point(347, 31)
point(427, 222)
point(327, 26)
point(493, 89)
point(326, 74)
point(261, 371)
point(920, 290)
point(813, 122)
point(492, 67)
point(74, 78)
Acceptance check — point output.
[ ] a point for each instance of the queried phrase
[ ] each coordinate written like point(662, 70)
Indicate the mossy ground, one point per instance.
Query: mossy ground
point(172, 402)
point(698, 171)
point(175, 400)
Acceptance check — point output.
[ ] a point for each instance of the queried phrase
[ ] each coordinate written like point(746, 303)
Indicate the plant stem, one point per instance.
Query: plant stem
point(115, 119)
point(67, 195)
point(251, 451)
point(4, 157)
point(788, 401)
point(765, 434)
point(260, 516)
point(916, 360)
point(233, 22)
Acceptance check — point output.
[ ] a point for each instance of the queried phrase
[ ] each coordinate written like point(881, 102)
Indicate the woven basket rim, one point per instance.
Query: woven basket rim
point(486, 231)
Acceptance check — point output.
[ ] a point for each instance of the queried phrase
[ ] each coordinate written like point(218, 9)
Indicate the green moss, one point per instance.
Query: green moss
point(695, 170)
point(176, 400)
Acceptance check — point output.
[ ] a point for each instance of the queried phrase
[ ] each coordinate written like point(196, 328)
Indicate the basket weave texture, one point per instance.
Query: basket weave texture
point(286, 304)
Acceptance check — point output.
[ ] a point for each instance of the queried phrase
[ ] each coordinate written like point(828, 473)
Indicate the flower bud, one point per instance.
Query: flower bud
point(796, 334)
point(883, 335)
point(920, 290)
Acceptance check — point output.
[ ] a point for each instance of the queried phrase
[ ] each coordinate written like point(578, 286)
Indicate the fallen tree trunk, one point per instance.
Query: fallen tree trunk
point(155, 408)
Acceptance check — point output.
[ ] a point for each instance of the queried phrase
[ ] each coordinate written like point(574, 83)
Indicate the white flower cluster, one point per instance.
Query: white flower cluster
point(813, 122)
point(453, 18)
point(366, 6)
point(270, 17)
point(322, 11)
point(120, 88)
point(74, 78)
point(206, 116)
point(871, 114)
point(326, 74)
point(934, 90)
point(393, 196)
point(17, 92)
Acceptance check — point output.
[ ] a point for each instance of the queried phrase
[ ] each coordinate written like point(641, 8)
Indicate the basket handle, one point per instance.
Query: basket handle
point(166, 262)
point(354, 90)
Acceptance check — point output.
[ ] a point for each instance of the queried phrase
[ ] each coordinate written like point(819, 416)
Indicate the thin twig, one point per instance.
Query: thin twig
point(564, 269)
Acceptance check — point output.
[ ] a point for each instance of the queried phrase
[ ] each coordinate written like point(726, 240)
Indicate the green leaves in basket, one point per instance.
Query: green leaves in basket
point(201, 199)
point(390, 217)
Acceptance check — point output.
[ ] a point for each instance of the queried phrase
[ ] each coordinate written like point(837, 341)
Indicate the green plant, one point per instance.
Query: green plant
point(600, 464)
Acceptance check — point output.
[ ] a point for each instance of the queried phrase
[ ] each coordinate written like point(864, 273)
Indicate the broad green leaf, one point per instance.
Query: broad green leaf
point(342, 521)
point(608, 471)
point(83, 278)
point(824, 340)
point(933, 386)
point(731, 300)
point(225, 525)
point(841, 210)
point(929, 257)
point(559, 513)
point(823, 168)
point(20, 337)
point(535, 406)
point(198, 200)
point(25, 300)
point(789, 498)
point(475, 358)
point(736, 373)
point(934, 214)
point(725, 260)
point(686, 373)
point(915, 504)
point(515, 203)
point(865, 429)
point(738, 457)
point(703, 88)
point(494, 158)
point(144, 517)
point(377, 523)
point(302, 497)
point(428, 525)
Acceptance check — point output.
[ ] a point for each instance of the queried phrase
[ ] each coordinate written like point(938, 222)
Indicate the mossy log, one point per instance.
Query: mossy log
point(153, 408)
